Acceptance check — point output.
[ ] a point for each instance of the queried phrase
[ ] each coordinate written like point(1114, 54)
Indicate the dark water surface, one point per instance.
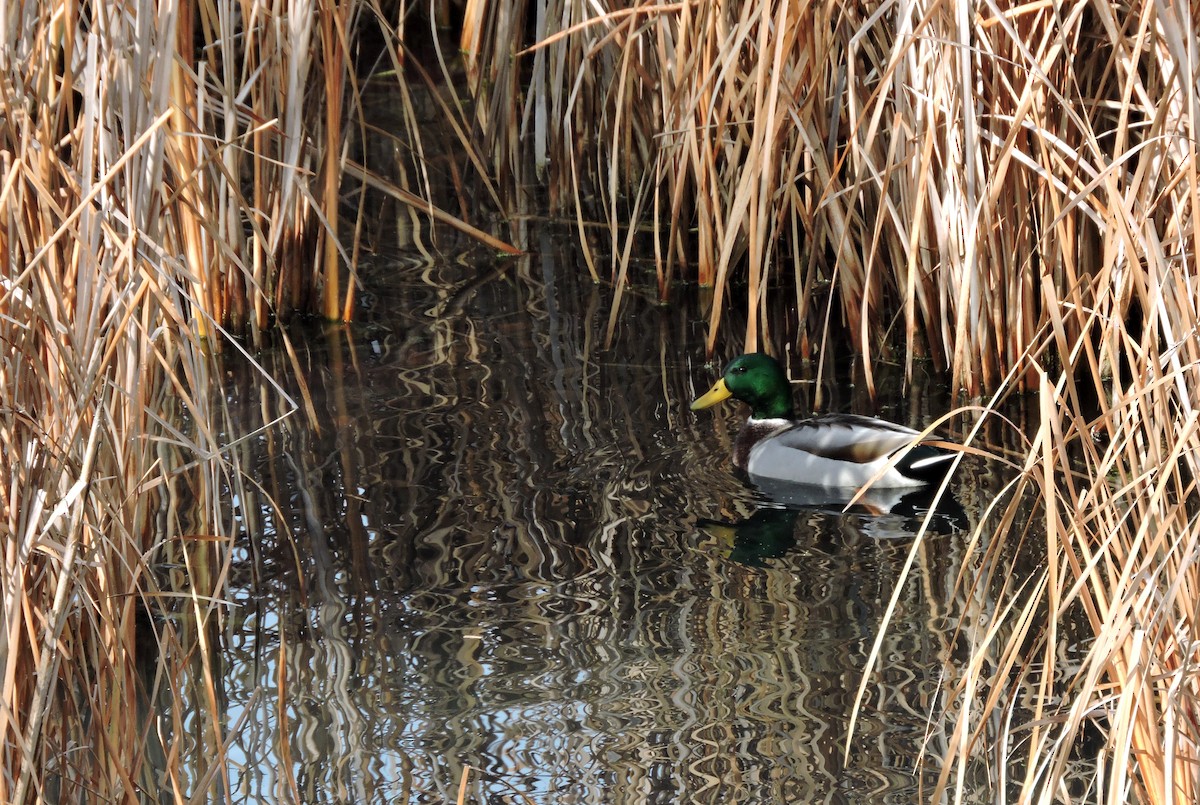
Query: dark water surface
point(506, 547)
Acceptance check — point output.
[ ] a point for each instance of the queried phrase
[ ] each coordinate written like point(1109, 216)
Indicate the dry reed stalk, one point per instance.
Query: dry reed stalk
point(128, 242)
point(81, 384)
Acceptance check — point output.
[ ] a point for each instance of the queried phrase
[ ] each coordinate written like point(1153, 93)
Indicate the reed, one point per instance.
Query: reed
point(158, 166)
point(171, 173)
point(1008, 191)
point(909, 173)
point(98, 357)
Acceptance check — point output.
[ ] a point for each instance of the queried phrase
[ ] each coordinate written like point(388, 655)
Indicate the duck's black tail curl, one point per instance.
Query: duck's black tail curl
point(925, 463)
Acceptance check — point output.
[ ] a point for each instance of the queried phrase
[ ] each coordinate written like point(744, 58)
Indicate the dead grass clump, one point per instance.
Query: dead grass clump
point(134, 229)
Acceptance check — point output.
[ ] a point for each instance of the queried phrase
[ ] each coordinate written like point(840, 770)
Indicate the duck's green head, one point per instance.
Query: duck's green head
point(757, 380)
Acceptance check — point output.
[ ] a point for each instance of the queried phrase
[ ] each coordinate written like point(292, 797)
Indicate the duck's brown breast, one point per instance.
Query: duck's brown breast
point(753, 432)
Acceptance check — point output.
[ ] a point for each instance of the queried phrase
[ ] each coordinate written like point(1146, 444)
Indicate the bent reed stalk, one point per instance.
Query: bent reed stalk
point(1011, 191)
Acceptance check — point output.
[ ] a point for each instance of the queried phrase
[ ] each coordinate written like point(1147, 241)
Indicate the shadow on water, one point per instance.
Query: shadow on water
point(504, 547)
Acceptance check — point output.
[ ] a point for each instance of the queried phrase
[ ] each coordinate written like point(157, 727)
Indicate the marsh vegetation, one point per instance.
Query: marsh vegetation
point(1007, 194)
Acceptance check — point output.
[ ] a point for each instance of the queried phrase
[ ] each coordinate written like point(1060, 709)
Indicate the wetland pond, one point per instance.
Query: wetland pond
point(497, 544)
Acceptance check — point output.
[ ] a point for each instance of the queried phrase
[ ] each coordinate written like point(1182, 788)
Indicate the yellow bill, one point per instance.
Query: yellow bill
point(718, 393)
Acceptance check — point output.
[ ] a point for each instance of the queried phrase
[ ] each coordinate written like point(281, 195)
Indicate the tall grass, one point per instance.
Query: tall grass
point(169, 173)
point(1008, 190)
point(158, 170)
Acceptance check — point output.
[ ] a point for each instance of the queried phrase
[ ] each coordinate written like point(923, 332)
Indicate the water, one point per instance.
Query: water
point(502, 546)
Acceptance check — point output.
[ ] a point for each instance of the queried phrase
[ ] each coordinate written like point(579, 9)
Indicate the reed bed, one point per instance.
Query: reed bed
point(910, 172)
point(170, 174)
point(1008, 190)
point(160, 176)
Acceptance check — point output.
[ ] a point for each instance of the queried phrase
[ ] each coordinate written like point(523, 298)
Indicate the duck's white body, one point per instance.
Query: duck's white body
point(836, 451)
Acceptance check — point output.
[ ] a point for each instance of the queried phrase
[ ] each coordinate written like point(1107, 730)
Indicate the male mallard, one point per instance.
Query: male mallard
point(834, 450)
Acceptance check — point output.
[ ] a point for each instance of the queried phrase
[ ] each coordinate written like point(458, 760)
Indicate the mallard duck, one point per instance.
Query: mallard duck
point(833, 450)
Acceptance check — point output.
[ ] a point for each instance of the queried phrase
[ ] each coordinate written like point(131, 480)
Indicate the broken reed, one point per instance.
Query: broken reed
point(1008, 190)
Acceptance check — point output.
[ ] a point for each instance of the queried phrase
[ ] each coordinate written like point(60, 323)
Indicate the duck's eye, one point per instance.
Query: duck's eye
point(739, 370)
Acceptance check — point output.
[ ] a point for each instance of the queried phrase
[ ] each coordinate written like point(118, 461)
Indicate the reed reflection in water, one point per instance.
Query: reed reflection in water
point(509, 549)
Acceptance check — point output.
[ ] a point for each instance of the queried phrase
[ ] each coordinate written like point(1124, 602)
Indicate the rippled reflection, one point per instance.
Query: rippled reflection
point(502, 546)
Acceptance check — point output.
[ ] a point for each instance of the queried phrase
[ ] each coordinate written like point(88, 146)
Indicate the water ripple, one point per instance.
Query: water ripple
point(508, 550)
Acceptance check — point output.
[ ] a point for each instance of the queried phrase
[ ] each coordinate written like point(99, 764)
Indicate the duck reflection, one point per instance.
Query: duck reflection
point(770, 532)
